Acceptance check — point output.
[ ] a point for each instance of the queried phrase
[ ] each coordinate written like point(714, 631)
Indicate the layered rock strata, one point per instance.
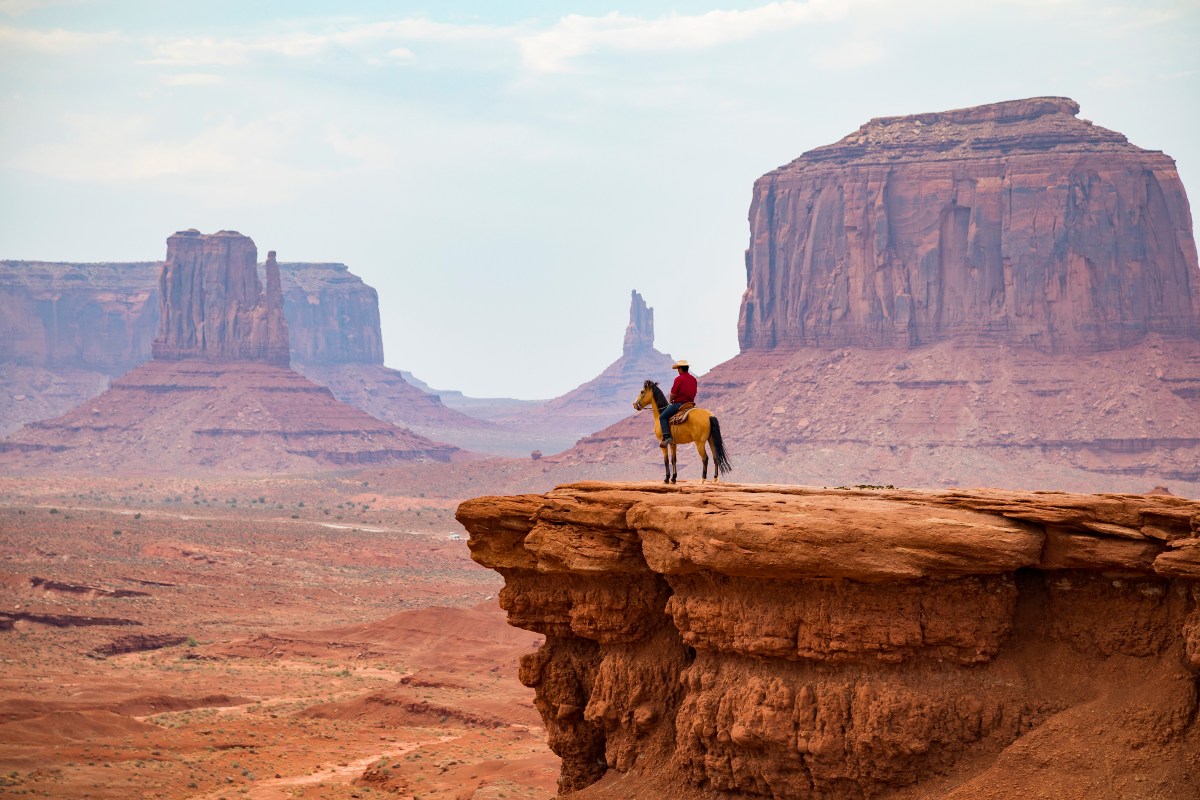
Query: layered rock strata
point(1014, 223)
point(332, 315)
point(104, 317)
point(728, 641)
point(233, 416)
point(100, 317)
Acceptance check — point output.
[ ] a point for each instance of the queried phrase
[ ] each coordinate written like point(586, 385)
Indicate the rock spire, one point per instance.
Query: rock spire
point(639, 336)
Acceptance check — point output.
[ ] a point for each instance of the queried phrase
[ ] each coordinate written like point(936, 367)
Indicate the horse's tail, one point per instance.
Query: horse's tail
point(718, 446)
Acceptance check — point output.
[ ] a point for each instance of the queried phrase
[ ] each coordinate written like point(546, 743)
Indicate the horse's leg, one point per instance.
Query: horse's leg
point(716, 465)
point(674, 466)
point(666, 464)
point(703, 460)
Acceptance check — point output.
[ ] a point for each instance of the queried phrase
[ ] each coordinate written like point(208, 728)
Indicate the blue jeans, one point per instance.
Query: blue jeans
point(664, 417)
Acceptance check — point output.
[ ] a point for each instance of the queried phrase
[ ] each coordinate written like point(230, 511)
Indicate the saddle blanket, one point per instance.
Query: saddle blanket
point(682, 414)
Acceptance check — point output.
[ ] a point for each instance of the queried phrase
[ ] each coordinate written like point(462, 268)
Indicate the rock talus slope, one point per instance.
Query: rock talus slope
point(728, 641)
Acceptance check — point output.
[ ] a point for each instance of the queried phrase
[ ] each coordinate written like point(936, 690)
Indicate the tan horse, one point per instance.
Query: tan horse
point(701, 427)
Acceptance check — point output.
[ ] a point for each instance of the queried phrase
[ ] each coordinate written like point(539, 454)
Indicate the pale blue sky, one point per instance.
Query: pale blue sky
point(504, 173)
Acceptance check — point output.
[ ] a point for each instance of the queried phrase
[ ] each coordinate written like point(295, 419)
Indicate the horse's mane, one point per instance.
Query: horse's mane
point(660, 399)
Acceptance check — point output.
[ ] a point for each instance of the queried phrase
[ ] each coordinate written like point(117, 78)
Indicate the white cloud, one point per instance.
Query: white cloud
point(123, 150)
point(15, 8)
point(576, 35)
point(191, 79)
point(206, 51)
point(371, 152)
point(53, 42)
point(191, 51)
point(1113, 80)
point(848, 55)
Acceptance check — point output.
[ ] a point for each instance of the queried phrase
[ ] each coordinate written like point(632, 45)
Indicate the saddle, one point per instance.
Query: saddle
point(682, 414)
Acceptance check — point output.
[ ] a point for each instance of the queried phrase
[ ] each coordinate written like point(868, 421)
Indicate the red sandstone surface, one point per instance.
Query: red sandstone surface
point(278, 638)
point(768, 641)
point(332, 316)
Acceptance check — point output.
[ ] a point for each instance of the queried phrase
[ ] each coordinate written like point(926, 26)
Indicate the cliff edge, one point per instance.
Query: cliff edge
point(727, 641)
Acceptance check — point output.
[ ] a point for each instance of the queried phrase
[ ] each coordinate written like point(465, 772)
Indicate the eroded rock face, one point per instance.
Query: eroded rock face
point(332, 316)
point(778, 642)
point(96, 316)
point(1013, 223)
point(212, 304)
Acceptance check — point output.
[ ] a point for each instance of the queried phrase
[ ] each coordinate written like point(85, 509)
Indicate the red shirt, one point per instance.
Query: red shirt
point(683, 390)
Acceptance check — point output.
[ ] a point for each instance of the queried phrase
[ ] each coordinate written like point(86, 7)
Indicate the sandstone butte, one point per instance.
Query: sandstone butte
point(67, 329)
point(999, 295)
point(219, 392)
point(729, 642)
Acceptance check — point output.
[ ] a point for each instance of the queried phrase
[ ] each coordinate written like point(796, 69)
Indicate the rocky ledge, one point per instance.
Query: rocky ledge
point(727, 641)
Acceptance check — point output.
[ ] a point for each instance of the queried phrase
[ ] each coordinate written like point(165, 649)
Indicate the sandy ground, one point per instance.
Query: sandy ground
point(319, 638)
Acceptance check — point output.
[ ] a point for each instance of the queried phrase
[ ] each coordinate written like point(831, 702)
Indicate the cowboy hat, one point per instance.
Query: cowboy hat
point(680, 363)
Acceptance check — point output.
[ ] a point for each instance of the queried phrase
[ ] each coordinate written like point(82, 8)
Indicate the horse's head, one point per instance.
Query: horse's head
point(646, 397)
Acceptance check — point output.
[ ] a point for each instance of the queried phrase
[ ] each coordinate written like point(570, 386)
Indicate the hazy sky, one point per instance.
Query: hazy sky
point(505, 172)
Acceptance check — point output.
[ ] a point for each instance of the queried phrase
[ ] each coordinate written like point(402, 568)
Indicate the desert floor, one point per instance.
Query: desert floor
point(324, 637)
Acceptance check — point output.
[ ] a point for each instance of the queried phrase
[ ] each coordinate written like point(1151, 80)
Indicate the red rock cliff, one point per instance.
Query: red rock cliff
point(213, 306)
point(1013, 223)
point(97, 316)
point(729, 641)
point(333, 317)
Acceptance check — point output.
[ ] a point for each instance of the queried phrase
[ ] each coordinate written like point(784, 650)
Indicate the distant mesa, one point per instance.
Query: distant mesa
point(218, 393)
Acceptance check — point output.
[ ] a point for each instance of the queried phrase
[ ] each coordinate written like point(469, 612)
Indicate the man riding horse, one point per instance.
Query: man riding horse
point(683, 390)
